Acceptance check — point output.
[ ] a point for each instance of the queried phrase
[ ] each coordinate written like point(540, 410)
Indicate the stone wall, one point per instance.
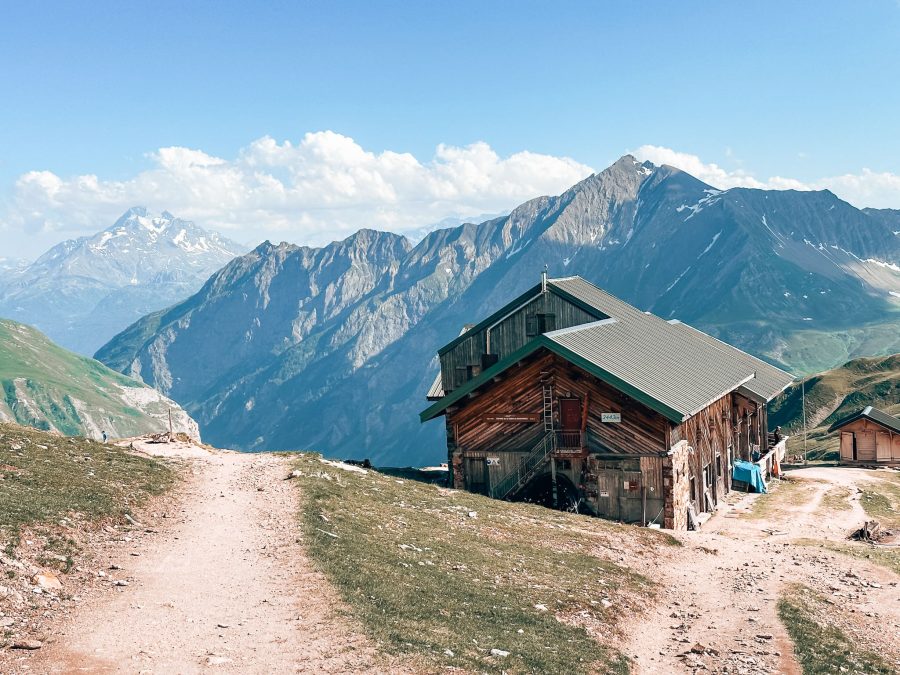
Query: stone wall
point(677, 486)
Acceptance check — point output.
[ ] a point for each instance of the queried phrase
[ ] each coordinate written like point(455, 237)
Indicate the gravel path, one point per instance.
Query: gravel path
point(723, 585)
point(227, 588)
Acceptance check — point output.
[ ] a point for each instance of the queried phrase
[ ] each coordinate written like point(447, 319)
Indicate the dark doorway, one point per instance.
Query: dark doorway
point(540, 491)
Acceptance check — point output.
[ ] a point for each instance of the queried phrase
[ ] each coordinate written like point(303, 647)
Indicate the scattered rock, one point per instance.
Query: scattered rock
point(121, 582)
point(473, 514)
point(499, 652)
point(449, 652)
point(47, 581)
point(29, 645)
point(296, 473)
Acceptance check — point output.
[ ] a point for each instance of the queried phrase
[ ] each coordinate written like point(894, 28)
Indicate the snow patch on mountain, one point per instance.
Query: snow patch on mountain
point(891, 266)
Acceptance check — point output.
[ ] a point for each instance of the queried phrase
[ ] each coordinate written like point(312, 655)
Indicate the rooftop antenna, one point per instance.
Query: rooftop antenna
point(544, 278)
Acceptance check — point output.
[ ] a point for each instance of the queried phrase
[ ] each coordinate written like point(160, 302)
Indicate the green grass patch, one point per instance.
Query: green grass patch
point(44, 478)
point(429, 580)
point(820, 646)
point(881, 501)
point(838, 499)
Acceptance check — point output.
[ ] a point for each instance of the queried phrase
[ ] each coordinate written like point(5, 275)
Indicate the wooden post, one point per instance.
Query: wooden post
point(643, 502)
point(553, 480)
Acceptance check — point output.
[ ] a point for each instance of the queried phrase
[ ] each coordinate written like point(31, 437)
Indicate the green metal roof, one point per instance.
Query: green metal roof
point(874, 414)
point(670, 367)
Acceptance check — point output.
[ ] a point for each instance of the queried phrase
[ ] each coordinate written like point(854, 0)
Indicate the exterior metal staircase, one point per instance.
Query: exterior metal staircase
point(526, 468)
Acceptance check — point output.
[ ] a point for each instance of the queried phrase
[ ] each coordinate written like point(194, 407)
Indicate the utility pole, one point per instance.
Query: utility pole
point(803, 403)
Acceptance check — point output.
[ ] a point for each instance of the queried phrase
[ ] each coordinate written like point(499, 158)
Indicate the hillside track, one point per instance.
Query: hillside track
point(226, 588)
point(723, 585)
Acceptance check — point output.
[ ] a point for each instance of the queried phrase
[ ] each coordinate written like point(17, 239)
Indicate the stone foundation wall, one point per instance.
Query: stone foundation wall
point(676, 486)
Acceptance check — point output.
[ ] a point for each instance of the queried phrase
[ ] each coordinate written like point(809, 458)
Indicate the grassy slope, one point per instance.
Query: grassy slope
point(44, 478)
point(54, 380)
point(835, 394)
point(428, 579)
point(820, 645)
point(811, 351)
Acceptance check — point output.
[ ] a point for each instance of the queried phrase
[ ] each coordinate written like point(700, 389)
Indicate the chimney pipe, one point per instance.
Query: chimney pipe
point(544, 280)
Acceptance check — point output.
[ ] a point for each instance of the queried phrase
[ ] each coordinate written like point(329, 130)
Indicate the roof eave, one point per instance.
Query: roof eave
point(673, 415)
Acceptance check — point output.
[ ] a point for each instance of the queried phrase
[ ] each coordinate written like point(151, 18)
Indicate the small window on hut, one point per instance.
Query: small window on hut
point(538, 324)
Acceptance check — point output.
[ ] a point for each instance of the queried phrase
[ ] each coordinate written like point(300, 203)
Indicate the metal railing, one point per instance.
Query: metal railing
point(570, 440)
point(525, 468)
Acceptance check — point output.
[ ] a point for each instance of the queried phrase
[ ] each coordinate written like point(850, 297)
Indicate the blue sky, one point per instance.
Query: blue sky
point(800, 91)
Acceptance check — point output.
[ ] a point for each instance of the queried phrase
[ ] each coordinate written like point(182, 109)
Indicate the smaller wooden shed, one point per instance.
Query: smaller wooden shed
point(869, 437)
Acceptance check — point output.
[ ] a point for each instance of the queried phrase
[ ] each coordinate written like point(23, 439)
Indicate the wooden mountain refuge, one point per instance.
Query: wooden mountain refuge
point(869, 437)
point(571, 397)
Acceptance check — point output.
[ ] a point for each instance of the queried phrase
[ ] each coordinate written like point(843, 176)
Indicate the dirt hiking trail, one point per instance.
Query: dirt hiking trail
point(719, 610)
point(226, 588)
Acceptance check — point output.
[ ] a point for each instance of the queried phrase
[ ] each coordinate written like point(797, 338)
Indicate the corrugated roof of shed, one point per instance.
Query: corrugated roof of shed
point(874, 414)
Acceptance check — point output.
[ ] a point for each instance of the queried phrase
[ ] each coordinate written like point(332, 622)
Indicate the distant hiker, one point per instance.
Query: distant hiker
point(103, 436)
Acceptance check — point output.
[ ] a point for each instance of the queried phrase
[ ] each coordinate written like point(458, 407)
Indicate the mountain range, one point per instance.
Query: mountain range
point(83, 291)
point(333, 348)
point(50, 388)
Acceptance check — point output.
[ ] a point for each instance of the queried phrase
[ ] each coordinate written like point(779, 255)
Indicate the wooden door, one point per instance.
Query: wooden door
point(883, 446)
point(847, 446)
point(570, 414)
point(608, 495)
point(631, 509)
point(865, 446)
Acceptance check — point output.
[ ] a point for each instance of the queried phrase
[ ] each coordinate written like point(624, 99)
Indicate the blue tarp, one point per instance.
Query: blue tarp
point(749, 473)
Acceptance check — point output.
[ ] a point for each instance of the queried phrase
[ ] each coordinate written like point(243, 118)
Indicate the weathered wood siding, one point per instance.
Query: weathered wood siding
point(507, 336)
point(709, 433)
point(749, 425)
point(642, 431)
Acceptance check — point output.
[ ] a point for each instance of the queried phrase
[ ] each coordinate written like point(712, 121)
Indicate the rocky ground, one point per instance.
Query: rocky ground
point(719, 612)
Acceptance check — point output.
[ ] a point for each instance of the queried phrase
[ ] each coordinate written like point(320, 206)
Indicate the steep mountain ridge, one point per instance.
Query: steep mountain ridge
point(50, 388)
point(348, 377)
point(83, 291)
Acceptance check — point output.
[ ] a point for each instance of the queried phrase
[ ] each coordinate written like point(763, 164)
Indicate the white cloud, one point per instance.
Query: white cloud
point(318, 189)
point(867, 188)
point(708, 173)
